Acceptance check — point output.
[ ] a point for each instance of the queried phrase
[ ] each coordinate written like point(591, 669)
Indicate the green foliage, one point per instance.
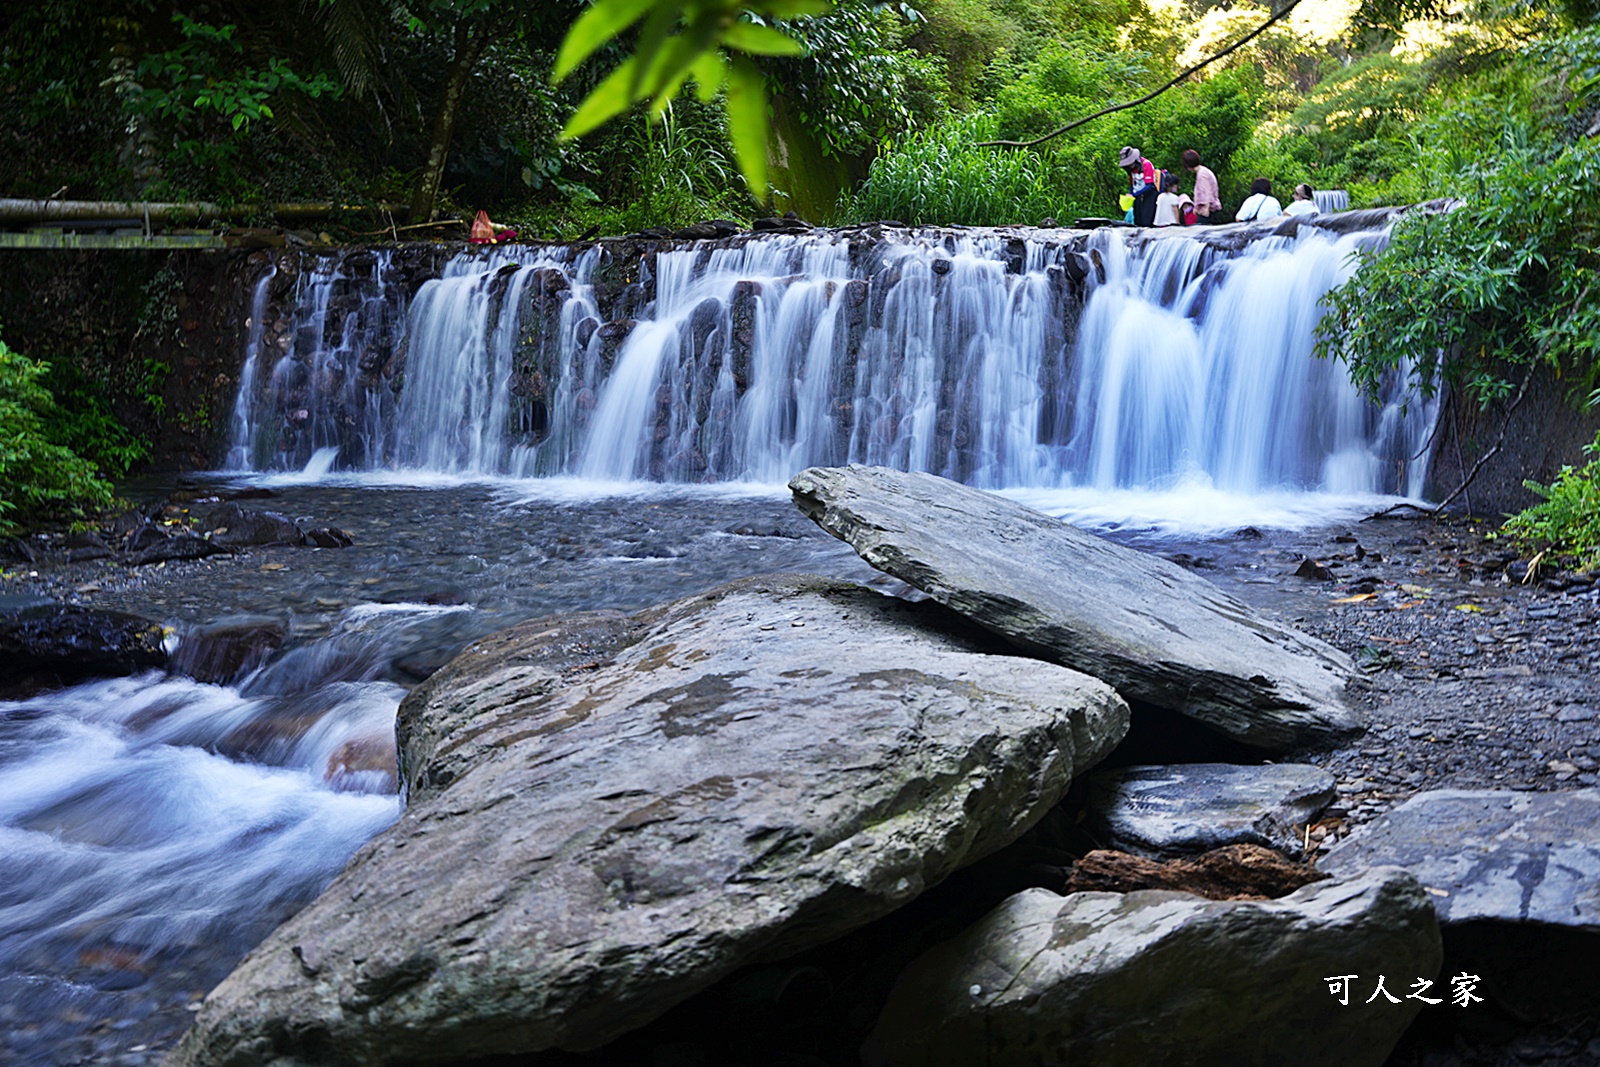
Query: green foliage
point(1466, 297)
point(1568, 518)
point(856, 84)
point(207, 100)
point(940, 176)
point(679, 40)
point(80, 419)
point(40, 477)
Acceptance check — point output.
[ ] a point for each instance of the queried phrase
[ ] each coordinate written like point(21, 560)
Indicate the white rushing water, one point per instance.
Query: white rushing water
point(153, 828)
point(969, 355)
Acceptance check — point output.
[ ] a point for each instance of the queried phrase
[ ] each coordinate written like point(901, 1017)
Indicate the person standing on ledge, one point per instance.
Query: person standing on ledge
point(1207, 201)
point(1141, 182)
point(1260, 204)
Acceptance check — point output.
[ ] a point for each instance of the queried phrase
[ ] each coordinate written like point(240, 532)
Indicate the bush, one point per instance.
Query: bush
point(1474, 296)
point(39, 477)
point(1568, 519)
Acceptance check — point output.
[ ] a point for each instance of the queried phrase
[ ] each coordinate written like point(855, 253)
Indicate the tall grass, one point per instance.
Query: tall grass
point(938, 177)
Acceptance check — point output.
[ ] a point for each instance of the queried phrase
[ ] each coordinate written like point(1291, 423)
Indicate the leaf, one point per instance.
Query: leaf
point(747, 123)
point(593, 29)
point(610, 98)
point(708, 72)
point(761, 40)
point(1478, 608)
point(1358, 598)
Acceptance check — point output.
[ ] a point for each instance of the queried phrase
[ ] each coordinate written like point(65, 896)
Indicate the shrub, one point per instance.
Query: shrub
point(1568, 518)
point(39, 478)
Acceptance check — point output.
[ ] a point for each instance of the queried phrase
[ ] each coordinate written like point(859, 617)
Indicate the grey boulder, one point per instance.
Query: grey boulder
point(611, 813)
point(1186, 808)
point(1153, 630)
point(1491, 855)
point(1156, 977)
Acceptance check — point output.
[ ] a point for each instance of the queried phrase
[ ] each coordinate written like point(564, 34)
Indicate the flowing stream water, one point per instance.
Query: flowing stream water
point(501, 453)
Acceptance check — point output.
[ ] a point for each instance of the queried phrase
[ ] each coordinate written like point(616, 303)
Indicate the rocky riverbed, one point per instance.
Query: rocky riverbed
point(1472, 673)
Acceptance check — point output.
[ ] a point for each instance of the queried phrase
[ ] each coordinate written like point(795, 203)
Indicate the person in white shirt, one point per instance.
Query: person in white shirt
point(1304, 202)
point(1169, 205)
point(1260, 204)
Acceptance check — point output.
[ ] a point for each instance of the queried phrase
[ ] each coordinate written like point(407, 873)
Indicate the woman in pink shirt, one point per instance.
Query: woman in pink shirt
point(1206, 200)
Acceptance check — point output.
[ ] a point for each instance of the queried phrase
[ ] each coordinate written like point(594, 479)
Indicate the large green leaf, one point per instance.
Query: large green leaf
point(761, 40)
point(747, 122)
point(595, 27)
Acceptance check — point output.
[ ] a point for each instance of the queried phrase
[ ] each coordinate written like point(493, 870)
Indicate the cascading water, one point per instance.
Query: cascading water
point(1108, 361)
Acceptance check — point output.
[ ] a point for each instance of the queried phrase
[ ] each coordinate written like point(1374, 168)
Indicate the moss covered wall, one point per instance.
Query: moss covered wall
point(159, 333)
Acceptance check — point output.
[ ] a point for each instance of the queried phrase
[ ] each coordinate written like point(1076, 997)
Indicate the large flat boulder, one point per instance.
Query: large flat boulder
point(1161, 977)
point(611, 813)
point(1187, 808)
point(1153, 630)
point(1493, 855)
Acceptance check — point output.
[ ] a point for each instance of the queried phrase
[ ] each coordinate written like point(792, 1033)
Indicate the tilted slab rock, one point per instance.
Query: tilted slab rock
point(1153, 630)
point(1496, 854)
point(1156, 977)
point(609, 814)
point(1185, 808)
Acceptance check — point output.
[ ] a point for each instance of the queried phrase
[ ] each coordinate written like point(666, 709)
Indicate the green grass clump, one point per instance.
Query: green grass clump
point(1568, 518)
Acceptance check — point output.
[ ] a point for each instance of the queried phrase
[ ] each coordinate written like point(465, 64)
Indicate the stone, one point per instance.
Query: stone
point(1160, 977)
point(610, 813)
point(1156, 632)
point(1237, 872)
point(178, 548)
point(328, 537)
point(235, 526)
point(1185, 808)
point(225, 650)
point(72, 642)
point(1492, 855)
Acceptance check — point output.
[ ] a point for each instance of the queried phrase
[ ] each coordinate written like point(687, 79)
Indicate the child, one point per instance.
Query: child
point(1169, 205)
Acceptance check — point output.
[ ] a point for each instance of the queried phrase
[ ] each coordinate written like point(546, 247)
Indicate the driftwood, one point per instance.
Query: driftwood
point(1237, 872)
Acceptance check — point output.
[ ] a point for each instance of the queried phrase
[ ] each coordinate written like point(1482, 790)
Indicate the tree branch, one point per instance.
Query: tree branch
point(1075, 123)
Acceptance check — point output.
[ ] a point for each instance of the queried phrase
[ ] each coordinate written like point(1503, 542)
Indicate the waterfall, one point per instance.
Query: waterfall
point(1113, 359)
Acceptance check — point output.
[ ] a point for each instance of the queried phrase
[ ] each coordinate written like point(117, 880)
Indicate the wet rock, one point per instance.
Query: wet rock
point(17, 550)
point(610, 813)
point(143, 537)
point(1492, 855)
point(232, 525)
point(1310, 568)
point(1153, 630)
point(363, 765)
point(178, 548)
point(70, 642)
point(226, 650)
point(1160, 977)
point(1178, 809)
point(1237, 872)
point(85, 546)
point(328, 537)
